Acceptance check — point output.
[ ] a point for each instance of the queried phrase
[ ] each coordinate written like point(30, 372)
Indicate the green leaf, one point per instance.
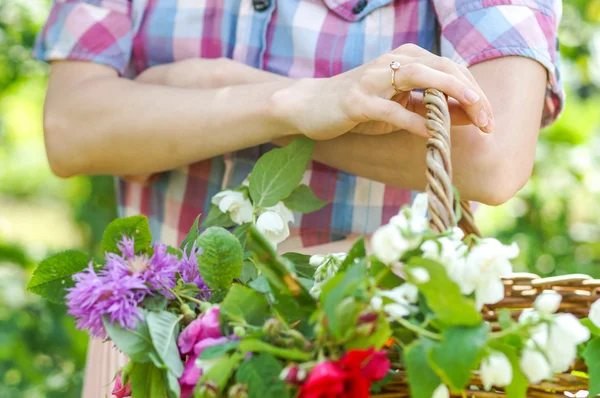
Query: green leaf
point(221, 259)
point(55, 274)
point(241, 233)
point(278, 172)
point(357, 251)
point(277, 270)
point(255, 345)
point(173, 388)
point(135, 227)
point(444, 297)
point(261, 374)
point(136, 344)
point(385, 277)
point(190, 238)
point(458, 354)
point(336, 289)
point(422, 379)
point(519, 384)
point(219, 350)
point(244, 303)
point(377, 339)
point(592, 360)
point(249, 272)
point(164, 329)
point(155, 303)
point(147, 381)
point(594, 330)
point(215, 218)
point(261, 285)
point(220, 372)
point(301, 264)
point(303, 200)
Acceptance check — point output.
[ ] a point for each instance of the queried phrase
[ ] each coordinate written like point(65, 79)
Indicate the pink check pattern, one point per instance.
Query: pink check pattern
point(296, 38)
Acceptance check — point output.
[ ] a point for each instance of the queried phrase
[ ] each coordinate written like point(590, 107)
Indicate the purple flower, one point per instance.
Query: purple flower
point(105, 293)
point(158, 271)
point(188, 268)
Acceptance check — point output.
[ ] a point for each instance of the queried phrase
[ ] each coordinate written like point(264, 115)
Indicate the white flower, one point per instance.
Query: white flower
point(239, 208)
point(402, 297)
point(405, 293)
point(485, 264)
point(441, 392)
point(496, 370)
point(398, 310)
point(535, 366)
point(566, 327)
point(273, 223)
point(418, 214)
point(564, 334)
point(547, 302)
point(420, 275)
point(273, 227)
point(283, 211)
point(388, 244)
point(595, 313)
point(457, 234)
point(377, 303)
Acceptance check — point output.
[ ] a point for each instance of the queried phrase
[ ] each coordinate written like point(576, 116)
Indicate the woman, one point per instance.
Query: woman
point(175, 96)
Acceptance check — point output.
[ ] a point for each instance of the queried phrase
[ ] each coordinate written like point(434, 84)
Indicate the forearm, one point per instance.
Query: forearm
point(117, 126)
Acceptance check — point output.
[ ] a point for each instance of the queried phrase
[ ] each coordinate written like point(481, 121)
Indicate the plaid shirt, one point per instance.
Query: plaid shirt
point(296, 38)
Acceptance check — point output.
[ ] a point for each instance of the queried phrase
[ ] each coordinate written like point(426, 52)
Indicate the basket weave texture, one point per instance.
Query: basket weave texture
point(578, 291)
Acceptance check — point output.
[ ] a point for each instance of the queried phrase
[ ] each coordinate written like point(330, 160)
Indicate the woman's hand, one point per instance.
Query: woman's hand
point(363, 99)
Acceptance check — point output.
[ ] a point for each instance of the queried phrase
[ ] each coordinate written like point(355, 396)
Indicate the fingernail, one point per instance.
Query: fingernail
point(490, 126)
point(471, 96)
point(482, 118)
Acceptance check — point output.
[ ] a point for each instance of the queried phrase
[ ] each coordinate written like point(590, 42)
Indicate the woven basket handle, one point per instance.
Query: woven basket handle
point(439, 168)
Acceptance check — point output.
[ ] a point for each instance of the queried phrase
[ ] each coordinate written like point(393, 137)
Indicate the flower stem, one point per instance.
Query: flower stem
point(513, 329)
point(195, 300)
point(417, 329)
point(176, 296)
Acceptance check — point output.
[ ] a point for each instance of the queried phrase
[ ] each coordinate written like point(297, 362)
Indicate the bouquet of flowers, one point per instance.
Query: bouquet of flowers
point(225, 315)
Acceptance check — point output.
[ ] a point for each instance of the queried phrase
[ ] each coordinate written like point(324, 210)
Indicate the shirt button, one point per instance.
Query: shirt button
point(261, 5)
point(360, 6)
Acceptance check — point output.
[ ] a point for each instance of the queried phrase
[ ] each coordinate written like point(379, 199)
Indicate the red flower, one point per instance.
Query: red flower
point(371, 364)
point(349, 377)
point(119, 390)
point(326, 380)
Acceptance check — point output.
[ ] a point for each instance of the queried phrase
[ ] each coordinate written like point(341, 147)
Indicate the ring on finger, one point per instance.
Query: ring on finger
point(395, 65)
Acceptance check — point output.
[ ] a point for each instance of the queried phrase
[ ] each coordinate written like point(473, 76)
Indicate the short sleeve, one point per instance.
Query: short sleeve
point(474, 31)
point(87, 30)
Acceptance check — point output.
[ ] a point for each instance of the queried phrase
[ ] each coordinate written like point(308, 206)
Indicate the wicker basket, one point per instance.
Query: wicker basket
point(578, 291)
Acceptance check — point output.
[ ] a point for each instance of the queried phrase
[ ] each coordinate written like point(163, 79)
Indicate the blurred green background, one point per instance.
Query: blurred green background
point(554, 218)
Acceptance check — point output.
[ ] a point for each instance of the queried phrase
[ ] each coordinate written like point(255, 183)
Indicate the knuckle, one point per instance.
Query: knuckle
point(409, 72)
point(352, 100)
point(409, 48)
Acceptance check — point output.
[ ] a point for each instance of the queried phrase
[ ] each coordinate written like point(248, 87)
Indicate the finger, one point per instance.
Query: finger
point(386, 111)
point(418, 76)
point(463, 73)
point(458, 116)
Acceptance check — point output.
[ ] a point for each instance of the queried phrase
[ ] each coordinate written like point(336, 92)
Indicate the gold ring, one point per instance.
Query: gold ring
point(395, 65)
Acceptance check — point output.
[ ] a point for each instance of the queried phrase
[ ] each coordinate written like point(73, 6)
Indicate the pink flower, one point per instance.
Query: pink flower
point(119, 390)
point(371, 364)
point(201, 333)
point(207, 325)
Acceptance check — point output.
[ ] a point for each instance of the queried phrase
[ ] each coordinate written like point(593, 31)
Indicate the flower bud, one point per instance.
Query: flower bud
point(365, 329)
point(548, 302)
point(367, 317)
point(238, 391)
point(293, 375)
point(273, 327)
point(188, 314)
point(239, 331)
point(208, 390)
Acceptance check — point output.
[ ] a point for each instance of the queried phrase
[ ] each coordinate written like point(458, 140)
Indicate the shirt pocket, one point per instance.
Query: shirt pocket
point(354, 10)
